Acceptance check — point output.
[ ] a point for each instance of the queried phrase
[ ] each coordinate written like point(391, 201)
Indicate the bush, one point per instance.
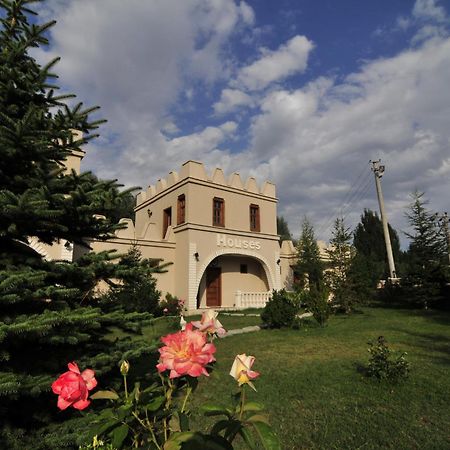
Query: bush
point(280, 310)
point(171, 306)
point(383, 365)
point(316, 302)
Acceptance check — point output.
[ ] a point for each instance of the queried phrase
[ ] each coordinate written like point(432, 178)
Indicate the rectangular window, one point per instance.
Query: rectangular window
point(181, 213)
point(218, 212)
point(167, 220)
point(254, 218)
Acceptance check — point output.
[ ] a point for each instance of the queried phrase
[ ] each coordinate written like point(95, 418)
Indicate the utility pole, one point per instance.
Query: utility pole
point(444, 221)
point(378, 170)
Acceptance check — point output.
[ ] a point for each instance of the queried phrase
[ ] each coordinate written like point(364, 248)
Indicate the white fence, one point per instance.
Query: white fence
point(251, 299)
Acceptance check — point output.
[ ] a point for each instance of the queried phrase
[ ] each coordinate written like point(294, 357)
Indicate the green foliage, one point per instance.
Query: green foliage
point(137, 290)
point(384, 365)
point(49, 314)
point(280, 310)
point(340, 257)
point(158, 417)
point(171, 305)
point(368, 240)
point(283, 229)
point(309, 268)
point(317, 302)
point(427, 271)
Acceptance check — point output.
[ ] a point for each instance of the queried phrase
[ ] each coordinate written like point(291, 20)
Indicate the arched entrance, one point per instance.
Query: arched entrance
point(226, 275)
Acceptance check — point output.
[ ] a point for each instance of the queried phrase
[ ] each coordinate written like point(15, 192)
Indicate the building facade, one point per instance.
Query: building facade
point(219, 233)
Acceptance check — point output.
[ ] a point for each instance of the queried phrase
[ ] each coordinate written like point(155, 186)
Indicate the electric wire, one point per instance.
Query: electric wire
point(359, 185)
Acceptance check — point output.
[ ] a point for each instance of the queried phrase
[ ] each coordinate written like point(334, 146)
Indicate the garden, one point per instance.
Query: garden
point(122, 369)
point(315, 385)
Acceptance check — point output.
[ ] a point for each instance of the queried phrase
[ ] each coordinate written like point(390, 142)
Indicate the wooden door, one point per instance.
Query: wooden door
point(213, 286)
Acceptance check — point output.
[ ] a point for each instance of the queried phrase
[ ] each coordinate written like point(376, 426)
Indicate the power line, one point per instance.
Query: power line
point(359, 185)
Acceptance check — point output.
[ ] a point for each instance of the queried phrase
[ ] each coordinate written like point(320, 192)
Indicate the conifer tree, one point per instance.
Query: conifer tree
point(340, 255)
point(309, 268)
point(370, 262)
point(48, 312)
point(426, 255)
point(283, 229)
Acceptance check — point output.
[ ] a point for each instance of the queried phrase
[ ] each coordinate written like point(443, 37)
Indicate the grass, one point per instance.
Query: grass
point(316, 397)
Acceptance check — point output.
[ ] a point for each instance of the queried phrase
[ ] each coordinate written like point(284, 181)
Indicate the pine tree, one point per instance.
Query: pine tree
point(370, 263)
point(340, 255)
point(309, 268)
point(426, 254)
point(283, 229)
point(49, 315)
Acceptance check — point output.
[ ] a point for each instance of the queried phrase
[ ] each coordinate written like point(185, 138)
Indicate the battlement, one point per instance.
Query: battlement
point(196, 170)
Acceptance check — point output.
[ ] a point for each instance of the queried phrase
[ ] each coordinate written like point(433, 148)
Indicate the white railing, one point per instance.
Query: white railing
point(251, 299)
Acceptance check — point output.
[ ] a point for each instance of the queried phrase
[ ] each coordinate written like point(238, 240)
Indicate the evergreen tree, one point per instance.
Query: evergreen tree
point(283, 229)
point(137, 291)
point(370, 263)
point(340, 256)
point(49, 315)
point(309, 268)
point(427, 262)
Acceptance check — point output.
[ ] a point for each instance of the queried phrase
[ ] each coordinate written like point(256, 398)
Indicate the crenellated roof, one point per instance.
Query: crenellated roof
point(196, 170)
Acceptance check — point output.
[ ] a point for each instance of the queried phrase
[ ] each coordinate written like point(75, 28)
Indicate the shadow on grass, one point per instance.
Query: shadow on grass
point(432, 343)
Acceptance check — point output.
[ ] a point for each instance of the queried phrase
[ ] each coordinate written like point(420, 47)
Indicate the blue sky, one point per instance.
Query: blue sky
point(303, 93)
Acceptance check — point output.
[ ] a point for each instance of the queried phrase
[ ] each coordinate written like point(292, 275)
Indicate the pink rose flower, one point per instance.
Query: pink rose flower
point(241, 370)
point(73, 387)
point(209, 323)
point(185, 353)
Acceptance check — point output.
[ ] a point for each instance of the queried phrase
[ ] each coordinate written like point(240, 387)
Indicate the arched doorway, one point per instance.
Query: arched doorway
point(227, 275)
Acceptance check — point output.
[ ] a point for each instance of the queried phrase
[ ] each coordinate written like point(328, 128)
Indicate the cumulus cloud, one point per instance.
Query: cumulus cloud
point(288, 59)
point(232, 99)
point(147, 63)
point(394, 109)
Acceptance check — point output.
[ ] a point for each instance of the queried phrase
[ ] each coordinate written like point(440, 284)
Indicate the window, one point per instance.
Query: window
point(254, 218)
point(218, 212)
point(181, 212)
point(167, 220)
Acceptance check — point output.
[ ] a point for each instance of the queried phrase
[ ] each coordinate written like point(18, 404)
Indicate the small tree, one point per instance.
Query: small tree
point(426, 272)
point(340, 256)
point(137, 289)
point(309, 268)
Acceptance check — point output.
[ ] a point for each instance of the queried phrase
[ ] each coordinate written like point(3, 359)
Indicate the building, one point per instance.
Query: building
point(219, 234)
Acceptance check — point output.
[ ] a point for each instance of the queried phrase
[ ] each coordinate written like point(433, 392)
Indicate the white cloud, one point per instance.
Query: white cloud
point(247, 13)
point(288, 59)
point(230, 100)
point(322, 135)
point(429, 10)
point(147, 62)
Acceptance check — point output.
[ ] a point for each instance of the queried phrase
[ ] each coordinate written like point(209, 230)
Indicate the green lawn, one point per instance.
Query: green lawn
point(315, 395)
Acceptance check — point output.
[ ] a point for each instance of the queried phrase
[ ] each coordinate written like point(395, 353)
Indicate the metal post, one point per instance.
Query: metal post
point(378, 172)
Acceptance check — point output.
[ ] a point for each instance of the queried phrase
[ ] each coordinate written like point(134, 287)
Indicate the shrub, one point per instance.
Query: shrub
point(384, 365)
point(280, 310)
point(316, 302)
point(171, 306)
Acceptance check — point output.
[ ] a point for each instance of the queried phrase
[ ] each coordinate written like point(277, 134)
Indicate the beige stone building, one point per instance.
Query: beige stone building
point(218, 232)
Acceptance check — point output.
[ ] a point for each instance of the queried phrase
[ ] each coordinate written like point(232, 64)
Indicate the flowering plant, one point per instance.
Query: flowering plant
point(157, 417)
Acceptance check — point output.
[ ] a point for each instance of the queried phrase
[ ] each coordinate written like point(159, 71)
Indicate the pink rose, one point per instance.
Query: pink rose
point(209, 323)
point(73, 387)
point(241, 370)
point(185, 353)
